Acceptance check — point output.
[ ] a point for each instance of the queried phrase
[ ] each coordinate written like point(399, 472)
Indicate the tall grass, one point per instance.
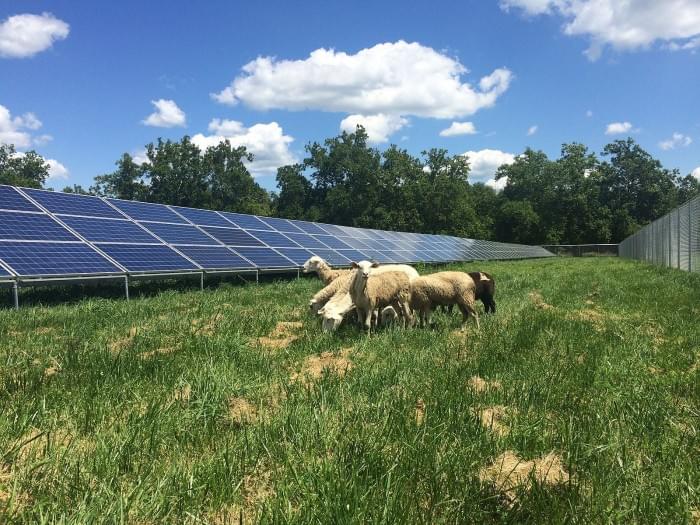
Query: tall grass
point(167, 408)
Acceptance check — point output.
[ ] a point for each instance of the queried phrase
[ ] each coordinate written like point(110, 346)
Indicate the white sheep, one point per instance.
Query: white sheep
point(324, 295)
point(374, 290)
point(336, 310)
point(322, 269)
point(444, 288)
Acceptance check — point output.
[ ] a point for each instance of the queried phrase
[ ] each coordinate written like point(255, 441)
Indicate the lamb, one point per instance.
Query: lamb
point(321, 297)
point(444, 288)
point(371, 291)
point(323, 270)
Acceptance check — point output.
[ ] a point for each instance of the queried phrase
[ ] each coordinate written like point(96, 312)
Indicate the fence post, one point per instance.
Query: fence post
point(690, 237)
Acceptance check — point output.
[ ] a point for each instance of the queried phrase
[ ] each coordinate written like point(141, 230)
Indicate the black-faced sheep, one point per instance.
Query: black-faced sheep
point(484, 292)
point(444, 288)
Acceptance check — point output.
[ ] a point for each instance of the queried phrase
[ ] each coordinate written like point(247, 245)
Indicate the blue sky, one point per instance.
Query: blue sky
point(78, 81)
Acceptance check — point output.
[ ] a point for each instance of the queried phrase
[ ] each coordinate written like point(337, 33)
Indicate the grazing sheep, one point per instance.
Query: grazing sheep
point(323, 270)
point(444, 288)
point(484, 292)
point(336, 310)
point(325, 294)
point(370, 291)
point(388, 315)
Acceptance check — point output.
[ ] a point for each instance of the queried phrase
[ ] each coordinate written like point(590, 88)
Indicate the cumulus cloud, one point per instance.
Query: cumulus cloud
point(532, 130)
point(57, 171)
point(26, 35)
point(379, 127)
point(484, 163)
point(459, 128)
point(624, 25)
point(696, 173)
point(166, 115)
point(399, 79)
point(267, 142)
point(677, 140)
point(17, 130)
point(618, 128)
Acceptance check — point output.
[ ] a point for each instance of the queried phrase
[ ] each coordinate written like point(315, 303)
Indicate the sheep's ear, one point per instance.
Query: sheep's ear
point(354, 265)
point(375, 264)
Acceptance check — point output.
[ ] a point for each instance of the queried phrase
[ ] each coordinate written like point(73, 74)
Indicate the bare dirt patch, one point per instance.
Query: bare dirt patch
point(207, 326)
point(164, 350)
point(281, 336)
point(509, 473)
point(479, 385)
point(420, 412)
point(241, 411)
point(44, 330)
point(538, 301)
point(125, 342)
point(52, 370)
point(314, 367)
point(494, 418)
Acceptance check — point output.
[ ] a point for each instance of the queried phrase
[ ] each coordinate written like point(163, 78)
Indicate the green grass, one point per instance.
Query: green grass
point(608, 378)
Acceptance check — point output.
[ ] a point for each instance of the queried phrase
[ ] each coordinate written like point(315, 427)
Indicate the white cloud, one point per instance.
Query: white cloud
point(166, 115)
point(589, 113)
point(26, 35)
point(677, 140)
point(618, 128)
point(625, 25)
point(267, 142)
point(139, 156)
point(57, 171)
point(16, 130)
point(484, 163)
point(459, 128)
point(386, 82)
point(532, 130)
point(696, 173)
point(378, 127)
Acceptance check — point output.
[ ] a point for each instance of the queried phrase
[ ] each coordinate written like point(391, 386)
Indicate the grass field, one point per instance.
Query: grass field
point(190, 407)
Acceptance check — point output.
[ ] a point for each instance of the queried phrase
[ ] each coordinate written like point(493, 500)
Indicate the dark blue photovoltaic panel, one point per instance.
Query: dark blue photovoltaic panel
point(307, 227)
point(147, 211)
point(331, 257)
point(274, 239)
point(146, 257)
point(332, 229)
point(306, 241)
point(332, 242)
point(246, 221)
point(356, 243)
point(109, 230)
point(297, 255)
point(281, 225)
point(179, 234)
point(54, 258)
point(202, 217)
point(3, 272)
point(374, 234)
point(353, 255)
point(32, 227)
point(215, 257)
point(265, 257)
point(381, 257)
point(72, 204)
point(11, 199)
point(374, 244)
point(232, 236)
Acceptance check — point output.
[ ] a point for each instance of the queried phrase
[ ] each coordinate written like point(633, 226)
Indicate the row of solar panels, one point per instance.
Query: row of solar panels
point(48, 234)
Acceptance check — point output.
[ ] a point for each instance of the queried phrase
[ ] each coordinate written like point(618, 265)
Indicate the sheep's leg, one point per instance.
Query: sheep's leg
point(468, 308)
point(368, 320)
point(406, 314)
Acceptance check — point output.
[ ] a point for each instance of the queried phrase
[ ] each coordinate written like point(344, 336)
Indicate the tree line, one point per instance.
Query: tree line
point(579, 197)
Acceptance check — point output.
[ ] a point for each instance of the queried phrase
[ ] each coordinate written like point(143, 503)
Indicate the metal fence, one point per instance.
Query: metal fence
point(583, 250)
point(673, 240)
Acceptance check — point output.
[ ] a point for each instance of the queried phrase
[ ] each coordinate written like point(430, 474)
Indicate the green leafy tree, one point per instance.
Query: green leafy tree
point(126, 182)
point(22, 169)
point(294, 200)
point(76, 188)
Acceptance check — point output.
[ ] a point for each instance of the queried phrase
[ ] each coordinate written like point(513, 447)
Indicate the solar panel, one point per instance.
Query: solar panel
point(215, 257)
point(332, 242)
point(73, 204)
point(331, 257)
point(281, 225)
point(265, 257)
point(54, 258)
point(32, 227)
point(353, 255)
point(147, 211)
point(232, 236)
point(246, 221)
point(109, 230)
point(297, 255)
point(147, 257)
point(332, 229)
point(179, 234)
point(308, 227)
point(3, 272)
point(202, 217)
point(306, 241)
point(274, 239)
point(356, 243)
point(11, 199)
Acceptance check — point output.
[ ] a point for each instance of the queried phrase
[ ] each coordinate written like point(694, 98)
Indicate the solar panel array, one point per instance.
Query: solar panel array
point(45, 234)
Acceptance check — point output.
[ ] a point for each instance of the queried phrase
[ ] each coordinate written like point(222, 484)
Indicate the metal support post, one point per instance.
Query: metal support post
point(126, 286)
point(678, 236)
point(690, 237)
point(15, 294)
point(201, 281)
point(257, 276)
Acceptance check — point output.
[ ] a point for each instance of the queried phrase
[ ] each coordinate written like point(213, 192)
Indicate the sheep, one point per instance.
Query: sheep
point(336, 310)
point(388, 315)
point(484, 292)
point(325, 294)
point(323, 270)
point(370, 291)
point(444, 288)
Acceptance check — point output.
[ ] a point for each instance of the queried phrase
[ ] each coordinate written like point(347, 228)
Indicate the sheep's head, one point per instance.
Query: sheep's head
point(313, 264)
point(364, 268)
point(314, 306)
point(331, 321)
